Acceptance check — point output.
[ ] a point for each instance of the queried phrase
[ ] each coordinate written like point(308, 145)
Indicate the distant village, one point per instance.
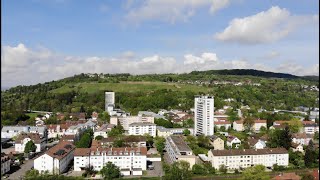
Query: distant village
point(56, 152)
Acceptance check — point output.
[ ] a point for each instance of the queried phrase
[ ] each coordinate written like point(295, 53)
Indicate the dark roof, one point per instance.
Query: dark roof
point(180, 143)
point(60, 150)
point(237, 152)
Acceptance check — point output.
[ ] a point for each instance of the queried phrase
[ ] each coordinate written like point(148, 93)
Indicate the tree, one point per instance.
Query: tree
point(295, 125)
point(222, 128)
point(31, 174)
point(286, 138)
point(199, 169)
point(309, 157)
point(118, 143)
point(223, 169)
point(110, 171)
point(30, 147)
point(104, 116)
point(255, 173)
point(248, 123)
point(98, 137)
point(117, 131)
point(179, 170)
point(160, 144)
point(186, 132)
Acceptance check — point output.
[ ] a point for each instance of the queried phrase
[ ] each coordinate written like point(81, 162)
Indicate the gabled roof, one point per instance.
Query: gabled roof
point(61, 150)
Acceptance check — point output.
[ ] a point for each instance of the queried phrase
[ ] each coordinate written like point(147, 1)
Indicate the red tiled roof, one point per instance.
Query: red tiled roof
point(82, 152)
point(287, 176)
point(222, 122)
point(35, 137)
point(62, 145)
point(260, 121)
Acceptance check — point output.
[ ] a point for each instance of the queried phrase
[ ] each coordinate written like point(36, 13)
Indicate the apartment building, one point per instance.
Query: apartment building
point(129, 141)
point(236, 159)
point(178, 149)
point(165, 132)
point(222, 123)
point(12, 131)
point(109, 100)
point(131, 161)
point(56, 159)
point(302, 138)
point(142, 128)
point(24, 138)
point(125, 121)
point(204, 115)
point(310, 127)
point(103, 130)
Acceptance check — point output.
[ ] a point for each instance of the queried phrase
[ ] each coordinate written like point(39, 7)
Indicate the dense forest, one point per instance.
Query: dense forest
point(160, 91)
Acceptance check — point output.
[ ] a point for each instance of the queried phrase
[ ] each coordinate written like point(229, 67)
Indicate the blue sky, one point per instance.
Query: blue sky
point(60, 38)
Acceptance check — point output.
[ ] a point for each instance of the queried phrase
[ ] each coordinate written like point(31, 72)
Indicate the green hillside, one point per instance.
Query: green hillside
point(160, 91)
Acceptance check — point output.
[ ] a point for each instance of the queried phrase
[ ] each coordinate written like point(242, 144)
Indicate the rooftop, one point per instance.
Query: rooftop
point(237, 152)
point(180, 143)
point(61, 150)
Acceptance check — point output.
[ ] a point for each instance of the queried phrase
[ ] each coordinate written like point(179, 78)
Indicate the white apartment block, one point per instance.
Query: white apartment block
point(236, 159)
point(131, 161)
point(177, 150)
point(125, 121)
point(23, 139)
point(142, 128)
point(12, 131)
point(302, 138)
point(310, 127)
point(5, 164)
point(56, 159)
point(56, 130)
point(165, 132)
point(222, 123)
point(238, 125)
point(204, 115)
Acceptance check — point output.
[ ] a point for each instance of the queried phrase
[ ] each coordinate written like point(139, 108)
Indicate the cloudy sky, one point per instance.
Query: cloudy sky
point(44, 40)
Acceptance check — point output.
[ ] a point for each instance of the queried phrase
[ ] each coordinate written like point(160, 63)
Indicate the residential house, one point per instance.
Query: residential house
point(24, 138)
point(244, 158)
point(310, 127)
point(217, 143)
point(94, 116)
point(165, 132)
point(238, 125)
point(56, 159)
point(129, 141)
point(302, 138)
point(256, 143)
point(12, 131)
point(233, 141)
point(222, 123)
point(258, 124)
point(102, 131)
point(57, 130)
point(297, 147)
point(125, 121)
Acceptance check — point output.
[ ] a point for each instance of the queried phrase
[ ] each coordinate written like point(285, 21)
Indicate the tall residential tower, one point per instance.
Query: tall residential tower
point(203, 115)
point(109, 103)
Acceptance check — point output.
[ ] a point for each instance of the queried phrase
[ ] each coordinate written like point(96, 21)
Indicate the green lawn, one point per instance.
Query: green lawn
point(129, 87)
point(32, 114)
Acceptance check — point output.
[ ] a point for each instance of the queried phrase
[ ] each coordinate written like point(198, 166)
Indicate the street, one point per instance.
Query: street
point(23, 169)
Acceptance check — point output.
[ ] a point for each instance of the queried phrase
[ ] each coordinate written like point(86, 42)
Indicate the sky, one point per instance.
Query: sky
point(45, 40)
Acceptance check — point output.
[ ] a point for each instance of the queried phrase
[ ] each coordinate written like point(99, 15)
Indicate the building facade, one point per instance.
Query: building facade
point(109, 100)
point(204, 115)
point(236, 159)
point(12, 131)
point(131, 161)
point(125, 121)
point(24, 138)
point(177, 150)
point(142, 128)
point(165, 132)
point(5, 163)
point(56, 159)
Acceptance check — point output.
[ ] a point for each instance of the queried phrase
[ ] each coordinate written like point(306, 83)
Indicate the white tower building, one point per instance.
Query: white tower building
point(109, 101)
point(203, 115)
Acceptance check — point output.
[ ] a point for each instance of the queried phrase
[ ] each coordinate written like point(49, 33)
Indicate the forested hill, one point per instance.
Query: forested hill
point(247, 72)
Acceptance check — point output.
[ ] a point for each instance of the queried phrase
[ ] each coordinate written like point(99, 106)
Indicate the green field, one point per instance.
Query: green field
point(32, 114)
point(129, 87)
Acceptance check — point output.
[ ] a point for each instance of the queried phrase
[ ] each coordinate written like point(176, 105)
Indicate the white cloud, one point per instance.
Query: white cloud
point(23, 66)
point(264, 27)
point(170, 11)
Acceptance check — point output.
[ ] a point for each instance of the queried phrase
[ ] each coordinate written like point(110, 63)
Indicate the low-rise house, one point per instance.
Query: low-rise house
point(24, 138)
point(94, 116)
point(69, 138)
point(165, 132)
point(236, 158)
point(217, 143)
point(310, 127)
point(297, 147)
point(125, 121)
point(142, 128)
point(258, 124)
point(131, 161)
point(301, 138)
point(56, 159)
point(222, 123)
point(57, 130)
point(177, 150)
point(256, 143)
point(238, 125)
point(287, 176)
point(102, 131)
point(5, 163)
point(233, 141)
